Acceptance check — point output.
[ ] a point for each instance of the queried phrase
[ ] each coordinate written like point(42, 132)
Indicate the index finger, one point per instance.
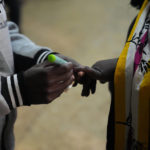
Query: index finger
point(93, 73)
point(62, 68)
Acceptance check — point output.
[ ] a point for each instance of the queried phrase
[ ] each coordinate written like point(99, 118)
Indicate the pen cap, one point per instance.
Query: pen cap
point(55, 59)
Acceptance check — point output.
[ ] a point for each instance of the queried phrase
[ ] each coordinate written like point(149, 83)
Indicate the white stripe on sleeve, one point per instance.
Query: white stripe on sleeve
point(44, 57)
point(38, 61)
point(17, 88)
point(11, 92)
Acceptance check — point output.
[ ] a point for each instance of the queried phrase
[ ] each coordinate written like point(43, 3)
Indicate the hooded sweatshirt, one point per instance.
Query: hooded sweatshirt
point(17, 53)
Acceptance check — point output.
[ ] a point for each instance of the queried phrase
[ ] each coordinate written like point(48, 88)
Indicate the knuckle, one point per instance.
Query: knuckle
point(68, 76)
point(86, 67)
point(66, 68)
point(70, 65)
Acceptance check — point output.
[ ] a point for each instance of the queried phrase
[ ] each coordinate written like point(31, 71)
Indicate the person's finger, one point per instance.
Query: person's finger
point(86, 88)
point(93, 73)
point(78, 79)
point(46, 63)
point(61, 85)
point(93, 86)
point(90, 86)
point(60, 69)
point(53, 96)
point(81, 74)
point(81, 69)
point(75, 84)
point(56, 78)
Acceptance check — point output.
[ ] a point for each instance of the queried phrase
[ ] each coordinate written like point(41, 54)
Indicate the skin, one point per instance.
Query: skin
point(102, 70)
point(47, 81)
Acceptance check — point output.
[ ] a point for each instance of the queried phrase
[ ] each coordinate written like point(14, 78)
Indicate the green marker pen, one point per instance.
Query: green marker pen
point(55, 59)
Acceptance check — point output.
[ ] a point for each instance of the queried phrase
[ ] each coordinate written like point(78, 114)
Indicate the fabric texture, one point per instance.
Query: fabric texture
point(17, 53)
point(132, 85)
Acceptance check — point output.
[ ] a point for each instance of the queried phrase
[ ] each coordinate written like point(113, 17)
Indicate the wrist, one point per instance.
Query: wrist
point(23, 89)
point(107, 69)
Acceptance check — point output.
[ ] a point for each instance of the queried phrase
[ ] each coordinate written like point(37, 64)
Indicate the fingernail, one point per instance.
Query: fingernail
point(81, 73)
point(69, 63)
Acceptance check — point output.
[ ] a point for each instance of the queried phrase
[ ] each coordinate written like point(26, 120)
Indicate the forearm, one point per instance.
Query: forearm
point(106, 68)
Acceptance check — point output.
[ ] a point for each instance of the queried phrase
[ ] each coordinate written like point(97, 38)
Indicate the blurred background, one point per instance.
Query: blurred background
point(86, 30)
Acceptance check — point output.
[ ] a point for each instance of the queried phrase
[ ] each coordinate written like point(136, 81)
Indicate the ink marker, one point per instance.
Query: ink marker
point(55, 59)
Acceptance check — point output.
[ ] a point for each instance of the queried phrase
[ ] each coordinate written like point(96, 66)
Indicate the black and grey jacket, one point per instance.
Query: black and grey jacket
point(16, 56)
point(17, 53)
point(25, 54)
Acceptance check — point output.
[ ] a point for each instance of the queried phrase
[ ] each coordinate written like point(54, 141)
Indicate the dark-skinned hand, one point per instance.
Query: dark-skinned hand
point(78, 79)
point(47, 81)
point(102, 70)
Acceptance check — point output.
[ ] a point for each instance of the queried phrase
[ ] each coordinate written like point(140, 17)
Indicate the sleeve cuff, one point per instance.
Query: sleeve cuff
point(41, 56)
point(14, 91)
point(11, 91)
point(23, 90)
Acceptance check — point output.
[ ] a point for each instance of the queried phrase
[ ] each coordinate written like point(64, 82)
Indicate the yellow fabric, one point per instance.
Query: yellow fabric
point(120, 104)
point(144, 111)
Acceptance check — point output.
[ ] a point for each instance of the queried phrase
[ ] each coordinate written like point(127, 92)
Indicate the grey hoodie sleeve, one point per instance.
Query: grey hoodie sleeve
point(26, 52)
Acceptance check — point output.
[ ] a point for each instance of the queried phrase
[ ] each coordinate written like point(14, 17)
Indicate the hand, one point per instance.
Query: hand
point(101, 70)
point(45, 82)
point(107, 69)
point(78, 78)
point(88, 79)
point(90, 72)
